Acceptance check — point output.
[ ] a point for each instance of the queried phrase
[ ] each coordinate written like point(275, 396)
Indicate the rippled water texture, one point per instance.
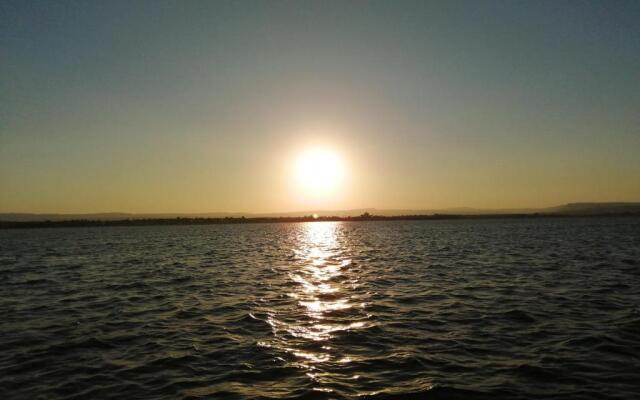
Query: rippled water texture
point(538, 308)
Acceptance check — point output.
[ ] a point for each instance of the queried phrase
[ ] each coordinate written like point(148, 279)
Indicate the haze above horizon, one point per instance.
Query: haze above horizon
point(192, 107)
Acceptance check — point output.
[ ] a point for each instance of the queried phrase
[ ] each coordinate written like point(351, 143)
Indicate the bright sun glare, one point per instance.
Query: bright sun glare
point(319, 171)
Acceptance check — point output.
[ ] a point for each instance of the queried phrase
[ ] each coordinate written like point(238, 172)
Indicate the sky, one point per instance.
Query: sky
point(203, 106)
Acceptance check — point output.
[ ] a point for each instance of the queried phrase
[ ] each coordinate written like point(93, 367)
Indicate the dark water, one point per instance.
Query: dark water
point(543, 308)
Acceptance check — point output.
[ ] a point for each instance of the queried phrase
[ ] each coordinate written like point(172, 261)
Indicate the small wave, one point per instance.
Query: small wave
point(432, 393)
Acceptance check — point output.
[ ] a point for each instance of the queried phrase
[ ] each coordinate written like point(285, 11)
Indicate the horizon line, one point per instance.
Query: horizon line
point(316, 211)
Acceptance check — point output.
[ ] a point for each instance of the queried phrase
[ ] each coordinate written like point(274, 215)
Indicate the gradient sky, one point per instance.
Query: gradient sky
point(191, 106)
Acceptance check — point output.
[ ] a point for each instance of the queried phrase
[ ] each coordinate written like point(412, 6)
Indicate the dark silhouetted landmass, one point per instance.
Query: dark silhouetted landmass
point(567, 211)
point(571, 208)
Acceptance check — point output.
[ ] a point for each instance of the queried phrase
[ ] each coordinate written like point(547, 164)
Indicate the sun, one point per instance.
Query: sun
point(319, 171)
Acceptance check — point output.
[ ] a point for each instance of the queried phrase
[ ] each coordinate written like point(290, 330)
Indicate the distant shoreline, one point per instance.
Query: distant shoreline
point(257, 220)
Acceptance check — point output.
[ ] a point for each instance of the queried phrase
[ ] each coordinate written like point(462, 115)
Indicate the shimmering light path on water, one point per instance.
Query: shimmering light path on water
point(544, 308)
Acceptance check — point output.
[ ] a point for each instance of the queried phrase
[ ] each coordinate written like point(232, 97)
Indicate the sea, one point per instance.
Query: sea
point(533, 308)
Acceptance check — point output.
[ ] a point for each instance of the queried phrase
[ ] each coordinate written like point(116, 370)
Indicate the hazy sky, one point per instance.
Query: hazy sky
point(190, 106)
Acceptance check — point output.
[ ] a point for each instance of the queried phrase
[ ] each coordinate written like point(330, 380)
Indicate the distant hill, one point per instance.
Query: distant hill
point(567, 209)
point(597, 208)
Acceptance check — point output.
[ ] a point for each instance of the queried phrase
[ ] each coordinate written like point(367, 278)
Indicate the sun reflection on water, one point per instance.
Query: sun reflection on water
point(322, 285)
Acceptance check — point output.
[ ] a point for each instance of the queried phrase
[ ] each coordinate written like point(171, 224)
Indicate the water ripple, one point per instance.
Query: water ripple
point(472, 309)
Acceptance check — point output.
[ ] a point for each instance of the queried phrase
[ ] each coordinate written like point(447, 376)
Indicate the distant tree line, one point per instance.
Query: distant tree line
point(255, 220)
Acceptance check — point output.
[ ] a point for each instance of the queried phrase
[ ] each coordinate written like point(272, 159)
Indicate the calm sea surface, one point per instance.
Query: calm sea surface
point(535, 308)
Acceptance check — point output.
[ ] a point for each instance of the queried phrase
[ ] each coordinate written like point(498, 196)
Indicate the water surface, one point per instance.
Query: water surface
point(530, 308)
